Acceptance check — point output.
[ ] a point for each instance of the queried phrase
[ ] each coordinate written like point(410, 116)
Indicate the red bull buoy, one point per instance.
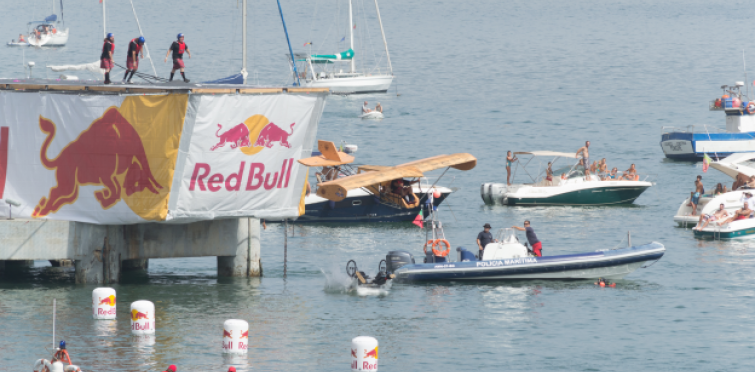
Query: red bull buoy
point(142, 318)
point(103, 303)
point(235, 336)
point(364, 354)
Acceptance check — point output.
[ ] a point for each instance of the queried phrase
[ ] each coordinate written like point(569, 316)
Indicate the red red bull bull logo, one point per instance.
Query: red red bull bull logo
point(227, 333)
point(251, 179)
point(137, 315)
point(109, 153)
point(371, 353)
point(245, 334)
point(109, 300)
point(265, 135)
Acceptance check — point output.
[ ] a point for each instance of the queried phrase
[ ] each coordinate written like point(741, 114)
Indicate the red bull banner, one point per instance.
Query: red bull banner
point(117, 159)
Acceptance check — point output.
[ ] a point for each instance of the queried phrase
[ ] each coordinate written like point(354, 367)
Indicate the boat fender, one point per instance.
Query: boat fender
point(72, 368)
point(750, 108)
point(40, 364)
point(430, 243)
point(441, 253)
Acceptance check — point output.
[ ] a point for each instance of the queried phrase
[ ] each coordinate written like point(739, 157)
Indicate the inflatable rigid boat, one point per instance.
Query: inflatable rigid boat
point(511, 260)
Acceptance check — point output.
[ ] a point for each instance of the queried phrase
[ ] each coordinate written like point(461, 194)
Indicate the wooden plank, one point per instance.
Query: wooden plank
point(66, 87)
point(213, 91)
point(27, 86)
point(147, 90)
point(307, 90)
point(106, 88)
point(261, 90)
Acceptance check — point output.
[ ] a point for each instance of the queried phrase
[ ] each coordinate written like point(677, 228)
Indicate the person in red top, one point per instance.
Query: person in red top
point(62, 354)
point(178, 48)
point(106, 58)
point(132, 60)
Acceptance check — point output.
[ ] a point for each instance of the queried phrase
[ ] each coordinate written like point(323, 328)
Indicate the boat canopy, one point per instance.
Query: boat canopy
point(328, 157)
point(51, 18)
point(336, 190)
point(545, 153)
point(330, 58)
point(735, 164)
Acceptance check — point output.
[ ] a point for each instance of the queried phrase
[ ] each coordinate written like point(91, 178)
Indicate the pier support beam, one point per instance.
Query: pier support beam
point(135, 264)
point(246, 261)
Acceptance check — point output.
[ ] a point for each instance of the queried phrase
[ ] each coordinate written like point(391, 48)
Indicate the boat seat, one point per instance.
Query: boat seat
point(397, 199)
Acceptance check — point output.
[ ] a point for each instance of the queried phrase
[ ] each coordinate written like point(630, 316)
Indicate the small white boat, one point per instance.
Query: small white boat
point(375, 115)
point(48, 33)
point(14, 43)
point(568, 186)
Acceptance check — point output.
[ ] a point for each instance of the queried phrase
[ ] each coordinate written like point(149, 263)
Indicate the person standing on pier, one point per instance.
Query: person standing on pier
point(537, 246)
point(106, 58)
point(178, 48)
point(132, 60)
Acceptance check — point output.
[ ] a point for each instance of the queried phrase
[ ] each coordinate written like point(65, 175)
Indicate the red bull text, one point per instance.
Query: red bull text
point(255, 178)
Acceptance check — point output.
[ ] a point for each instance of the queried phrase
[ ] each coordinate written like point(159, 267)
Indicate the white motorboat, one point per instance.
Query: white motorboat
point(374, 115)
point(327, 70)
point(568, 186)
point(50, 32)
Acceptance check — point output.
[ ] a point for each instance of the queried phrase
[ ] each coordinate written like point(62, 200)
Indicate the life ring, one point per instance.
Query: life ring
point(441, 253)
point(750, 109)
point(431, 243)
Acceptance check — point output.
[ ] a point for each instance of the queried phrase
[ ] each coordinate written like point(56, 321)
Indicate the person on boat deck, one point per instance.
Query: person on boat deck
point(739, 182)
point(694, 198)
point(748, 199)
point(630, 173)
point(21, 38)
point(366, 109)
point(403, 189)
point(594, 167)
point(379, 108)
point(584, 150)
point(178, 47)
point(720, 189)
point(132, 60)
point(751, 182)
point(602, 167)
point(329, 173)
point(741, 214)
point(62, 354)
point(705, 219)
point(537, 246)
point(484, 238)
point(611, 175)
point(549, 174)
point(509, 159)
point(106, 58)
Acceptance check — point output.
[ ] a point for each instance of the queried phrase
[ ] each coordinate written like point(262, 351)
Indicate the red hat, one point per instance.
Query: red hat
point(231, 369)
point(171, 368)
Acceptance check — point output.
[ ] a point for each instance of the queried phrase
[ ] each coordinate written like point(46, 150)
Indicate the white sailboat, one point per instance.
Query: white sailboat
point(48, 32)
point(327, 71)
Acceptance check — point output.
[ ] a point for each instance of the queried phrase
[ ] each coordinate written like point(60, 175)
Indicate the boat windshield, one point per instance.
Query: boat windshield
point(507, 236)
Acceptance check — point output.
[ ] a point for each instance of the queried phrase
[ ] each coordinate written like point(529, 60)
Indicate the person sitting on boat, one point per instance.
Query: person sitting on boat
point(602, 167)
point(594, 167)
point(720, 189)
point(365, 109)
point(509, 159)
point(748, 199)
point(549, 174)
point(403, 189)
point(379, 108)
point(537, 246)
point(484, 238)
point(21, 38)
point(694, 198)
point(630, 174)
point(750, 184)
point(740, 181)
point(62, 354)
point(328, 173)
point(612, 176)
point(741, 214)
point(705, 219)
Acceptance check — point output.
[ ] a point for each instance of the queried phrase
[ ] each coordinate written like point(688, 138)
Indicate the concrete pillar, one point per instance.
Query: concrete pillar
point(135, 264)
point(246, 262)
point(98, 253)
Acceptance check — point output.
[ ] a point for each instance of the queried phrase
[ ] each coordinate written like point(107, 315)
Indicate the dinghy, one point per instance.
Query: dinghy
point(375, 115)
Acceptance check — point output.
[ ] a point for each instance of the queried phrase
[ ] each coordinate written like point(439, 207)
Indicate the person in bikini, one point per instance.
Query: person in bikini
point(705, 219)
point(611, 176)
point(509, 159)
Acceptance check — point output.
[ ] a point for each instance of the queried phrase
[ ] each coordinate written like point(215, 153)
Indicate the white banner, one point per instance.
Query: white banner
point(242, 158)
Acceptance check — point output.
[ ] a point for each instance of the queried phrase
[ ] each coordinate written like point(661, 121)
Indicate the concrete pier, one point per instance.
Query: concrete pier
point(100, 252)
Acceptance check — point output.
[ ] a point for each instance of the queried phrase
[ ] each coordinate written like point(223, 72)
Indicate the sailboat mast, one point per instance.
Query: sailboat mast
point(351, 33)
point(243, 42)
point(138, 25)
point(390, 68)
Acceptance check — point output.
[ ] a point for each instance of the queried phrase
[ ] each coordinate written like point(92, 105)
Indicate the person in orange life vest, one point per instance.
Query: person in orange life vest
point(106, 58)
point(178, 47)
point(61, 354)
point(132, 60)
point(537, 246)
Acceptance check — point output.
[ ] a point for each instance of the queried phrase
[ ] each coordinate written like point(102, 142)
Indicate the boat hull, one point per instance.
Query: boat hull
point(597, 193)
point(743, 229)
point(52, 40)
point(362, 208)
point(353, 85)
point(687, 146)
point(609, 264)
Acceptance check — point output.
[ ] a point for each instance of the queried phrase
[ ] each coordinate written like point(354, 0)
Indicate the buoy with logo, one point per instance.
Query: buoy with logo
point(235, 336)
point(142, 318)
point(103, 303)
point(364, 354)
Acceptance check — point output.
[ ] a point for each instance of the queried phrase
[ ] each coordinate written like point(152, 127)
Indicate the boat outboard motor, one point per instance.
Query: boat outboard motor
point(465, 255)
point(396, 259)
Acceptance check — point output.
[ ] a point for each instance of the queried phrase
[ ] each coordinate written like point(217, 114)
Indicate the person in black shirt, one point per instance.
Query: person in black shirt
point(106, 58)
point(537, 245)
point(483, 238)
point(132, 60)
point(178, 48)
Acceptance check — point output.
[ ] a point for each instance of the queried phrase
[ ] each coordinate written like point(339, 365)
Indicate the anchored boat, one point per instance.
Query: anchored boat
point(738, 136)
point(568, 185)
point(365, 193)
point(510, 259)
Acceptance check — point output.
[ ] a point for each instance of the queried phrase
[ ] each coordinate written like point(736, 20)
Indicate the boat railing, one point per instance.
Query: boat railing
point(728, 105)
point(666, 129)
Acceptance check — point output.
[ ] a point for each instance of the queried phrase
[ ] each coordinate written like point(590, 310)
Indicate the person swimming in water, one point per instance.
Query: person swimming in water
point(604, 283)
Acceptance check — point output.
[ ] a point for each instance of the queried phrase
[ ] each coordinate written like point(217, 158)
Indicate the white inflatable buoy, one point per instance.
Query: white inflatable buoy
point(57, 367)
point(40, 365)
point(103, 303)
point(142, 318)
point(350, 149)
point(72, 368)
point(235, 336)
point(364, 354)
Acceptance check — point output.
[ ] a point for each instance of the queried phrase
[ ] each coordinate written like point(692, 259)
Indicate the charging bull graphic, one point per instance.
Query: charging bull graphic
point(136, 315)
point(108, 153)
point(109, 300)
point(271, 134)
point(237, 136)
point(372, 353)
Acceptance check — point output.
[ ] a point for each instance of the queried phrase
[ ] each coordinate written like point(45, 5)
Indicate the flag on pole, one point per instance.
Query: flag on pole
point(309, 43)
point(706, 162)
point(343, 38)
point(419, 220)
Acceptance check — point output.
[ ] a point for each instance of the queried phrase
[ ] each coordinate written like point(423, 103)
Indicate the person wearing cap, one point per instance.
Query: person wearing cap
point(484, 238)
point(178, 48)
point(61, 353)
point(171, 368)
point(106, 58)
point(403, 189)
point(537, 246)
point(132, 60)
